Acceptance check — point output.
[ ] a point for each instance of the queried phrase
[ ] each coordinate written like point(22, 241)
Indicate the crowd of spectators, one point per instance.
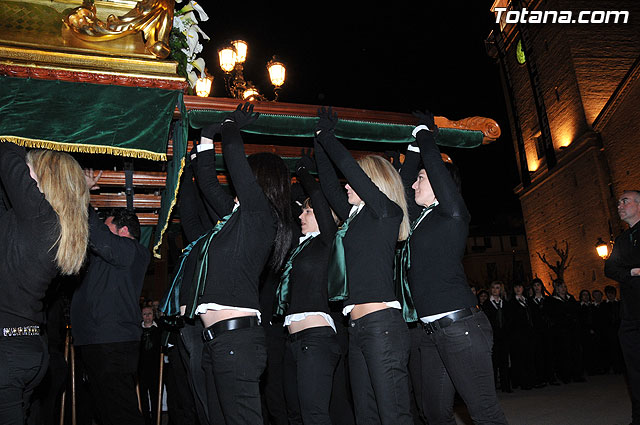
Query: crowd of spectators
point(551, 338)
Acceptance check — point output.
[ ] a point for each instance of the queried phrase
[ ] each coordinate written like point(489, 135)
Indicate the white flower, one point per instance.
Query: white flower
point(178, 24)
point(205, 36)
point(200, 10)
point(199, 65)
point(185, 21)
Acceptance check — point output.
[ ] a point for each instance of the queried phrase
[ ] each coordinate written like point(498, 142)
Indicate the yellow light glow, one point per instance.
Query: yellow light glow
point(227, 58)
point(602, 248)
point(241, 50)
point(203, 86)
point(250, 93)
point(277, 72)
point(603, 251)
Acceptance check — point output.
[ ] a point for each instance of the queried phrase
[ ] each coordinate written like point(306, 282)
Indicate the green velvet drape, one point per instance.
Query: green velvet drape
point(83, 117)
point(292, 126)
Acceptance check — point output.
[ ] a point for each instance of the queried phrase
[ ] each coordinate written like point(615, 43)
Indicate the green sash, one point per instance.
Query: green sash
point(338, 287)
point(283, 294)
point(402, 265)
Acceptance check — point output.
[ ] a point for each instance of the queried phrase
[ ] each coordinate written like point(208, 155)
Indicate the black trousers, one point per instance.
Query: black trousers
point(45, 405)
point(233, 362)
point(180, 402)
point(341, 408)
point(458, 357)
point(23, 363)
point(378, 356)
point(148, 384)
point(630, 342)
point(415, 373)
point(111, 371)
point(310, 361)
point(191, 348)
point(274, 406)
point(522, 359)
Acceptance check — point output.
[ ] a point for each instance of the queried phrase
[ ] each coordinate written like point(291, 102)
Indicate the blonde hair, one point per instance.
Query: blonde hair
point(61, 180)
point(387, 179)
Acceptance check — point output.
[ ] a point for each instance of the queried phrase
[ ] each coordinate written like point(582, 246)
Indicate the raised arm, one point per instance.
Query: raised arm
point(21, 190)
point(321, 208)
point(357, 178)
point(247, 188)
point(207, 177)
point(330, 184)
point(449, 198)
point(189, 219)
point(207, 216)
point(409, 173)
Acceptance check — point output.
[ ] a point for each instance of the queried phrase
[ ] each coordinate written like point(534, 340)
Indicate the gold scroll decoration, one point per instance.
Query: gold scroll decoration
point(153, 17)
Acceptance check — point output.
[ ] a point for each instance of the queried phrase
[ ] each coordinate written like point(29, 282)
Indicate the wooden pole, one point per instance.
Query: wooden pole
point(138, 394)
point(73, 385)
point(67, 341)
point(160, 387)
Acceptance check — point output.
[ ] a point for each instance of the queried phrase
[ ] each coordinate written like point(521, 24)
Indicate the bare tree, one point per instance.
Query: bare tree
point(561, 265)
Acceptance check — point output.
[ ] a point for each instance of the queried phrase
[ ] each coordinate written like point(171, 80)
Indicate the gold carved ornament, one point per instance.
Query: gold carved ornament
point(153, 17)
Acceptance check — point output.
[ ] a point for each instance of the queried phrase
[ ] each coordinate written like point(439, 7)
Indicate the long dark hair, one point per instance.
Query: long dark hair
point(273, 177)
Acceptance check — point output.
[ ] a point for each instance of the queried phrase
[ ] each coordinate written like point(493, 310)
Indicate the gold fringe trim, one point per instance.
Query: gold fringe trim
point(156, 254)
point(83, 148)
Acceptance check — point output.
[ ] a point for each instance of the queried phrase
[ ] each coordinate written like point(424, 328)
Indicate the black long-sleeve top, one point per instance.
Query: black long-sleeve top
point(105, 307)
point(370, 241)
point(624, 257)
point(436, 277)
point(239, 252)
point(196, 219)
point(308, 278)
point(29, 229)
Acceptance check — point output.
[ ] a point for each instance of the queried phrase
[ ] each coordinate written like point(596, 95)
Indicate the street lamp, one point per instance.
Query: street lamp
point(232, 58)
point(603, 248)
point(277, 73)
point(203, 85)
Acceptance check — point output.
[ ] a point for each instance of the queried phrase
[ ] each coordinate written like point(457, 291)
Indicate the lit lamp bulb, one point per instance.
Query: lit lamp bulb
point(228, 58)
point(250, 94)
point(602, 248)
point(277, 72)
point(241, 50)
point(203, 86)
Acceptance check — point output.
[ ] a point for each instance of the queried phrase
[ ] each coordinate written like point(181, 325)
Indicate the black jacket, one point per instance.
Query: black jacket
point(28, 234)
point(105, 307)
point(624, 257)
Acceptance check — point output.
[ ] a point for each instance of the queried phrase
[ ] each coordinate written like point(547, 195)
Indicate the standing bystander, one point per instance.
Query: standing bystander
point(105, 314)
point(624, 266)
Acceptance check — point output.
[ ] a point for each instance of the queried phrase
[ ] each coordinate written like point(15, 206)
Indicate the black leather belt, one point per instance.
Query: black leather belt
point(229, 325)
point(447, 320)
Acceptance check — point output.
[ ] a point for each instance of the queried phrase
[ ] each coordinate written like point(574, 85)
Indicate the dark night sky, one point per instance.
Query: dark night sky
point(431, 56)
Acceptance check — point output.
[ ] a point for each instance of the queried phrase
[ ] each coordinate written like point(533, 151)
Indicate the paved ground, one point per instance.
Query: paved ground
point(602, 400)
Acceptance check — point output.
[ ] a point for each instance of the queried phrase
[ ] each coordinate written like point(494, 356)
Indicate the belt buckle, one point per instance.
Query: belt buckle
point(208, 335)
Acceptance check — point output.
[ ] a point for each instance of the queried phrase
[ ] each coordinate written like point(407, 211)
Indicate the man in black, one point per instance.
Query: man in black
point(624, 266)
point(105, 315)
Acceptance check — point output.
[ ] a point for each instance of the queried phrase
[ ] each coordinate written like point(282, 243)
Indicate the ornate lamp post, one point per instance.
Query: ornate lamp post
point(232, 58)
